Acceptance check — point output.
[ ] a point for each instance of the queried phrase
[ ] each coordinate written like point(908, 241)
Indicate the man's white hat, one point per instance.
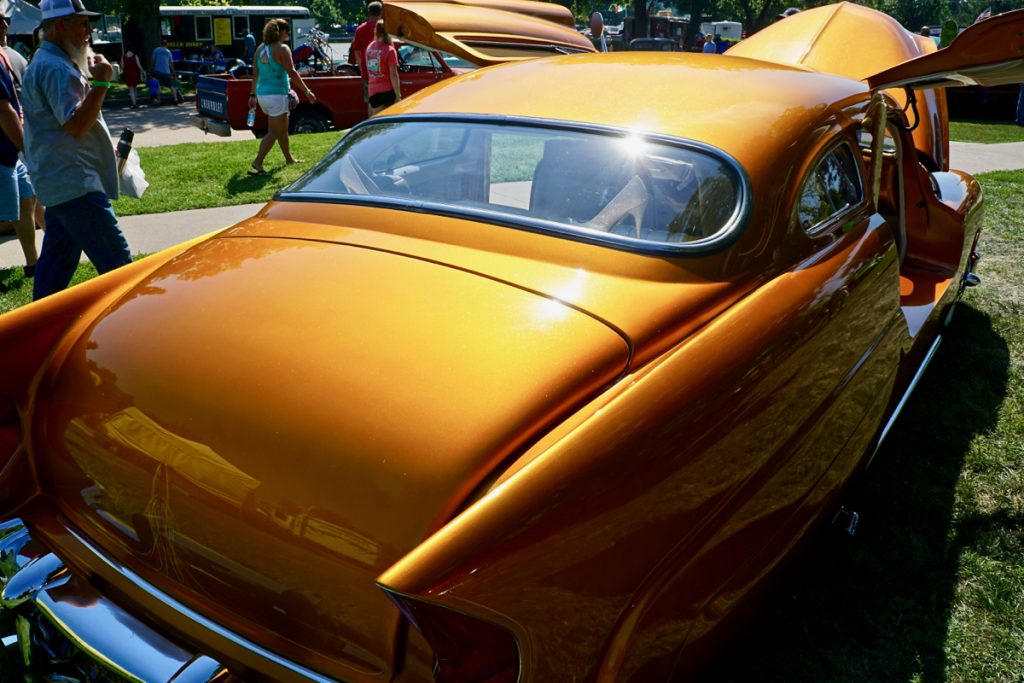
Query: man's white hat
point(54, 9)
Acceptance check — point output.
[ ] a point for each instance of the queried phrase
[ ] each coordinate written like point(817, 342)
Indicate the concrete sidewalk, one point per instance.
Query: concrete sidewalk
point(153, 232)
point(166, 125)
point(974, 157)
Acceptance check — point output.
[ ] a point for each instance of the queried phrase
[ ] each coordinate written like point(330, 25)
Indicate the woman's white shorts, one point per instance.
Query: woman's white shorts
point(273, 105)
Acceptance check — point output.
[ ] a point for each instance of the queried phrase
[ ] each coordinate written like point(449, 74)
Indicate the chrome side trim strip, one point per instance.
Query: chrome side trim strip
point(197, 618)
point(906, 395)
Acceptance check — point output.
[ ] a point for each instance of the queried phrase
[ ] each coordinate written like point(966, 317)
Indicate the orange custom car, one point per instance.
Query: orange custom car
point(518, 383)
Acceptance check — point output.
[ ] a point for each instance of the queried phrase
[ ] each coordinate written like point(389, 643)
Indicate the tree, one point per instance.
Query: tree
point(641, 19)
point(140, 20)
point(327, 13)
point(754, 14)
point(141, 24)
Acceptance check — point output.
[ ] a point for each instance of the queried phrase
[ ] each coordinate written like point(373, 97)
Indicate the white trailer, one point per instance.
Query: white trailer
point(728, 30)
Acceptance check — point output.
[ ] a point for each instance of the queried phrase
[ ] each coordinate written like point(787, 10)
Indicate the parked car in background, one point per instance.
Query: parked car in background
point(654, 45)
point(222, 100)
point(518, 383)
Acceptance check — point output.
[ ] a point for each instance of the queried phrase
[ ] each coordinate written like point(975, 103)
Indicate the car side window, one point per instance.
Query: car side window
point(413, 56)
point(832, 188)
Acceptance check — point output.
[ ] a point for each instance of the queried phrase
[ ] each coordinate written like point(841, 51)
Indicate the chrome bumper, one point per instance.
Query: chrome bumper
point(208, 125)
point(65, 627)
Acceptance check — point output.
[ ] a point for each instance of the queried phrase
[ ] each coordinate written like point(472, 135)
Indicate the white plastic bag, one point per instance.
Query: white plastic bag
point(132, 179)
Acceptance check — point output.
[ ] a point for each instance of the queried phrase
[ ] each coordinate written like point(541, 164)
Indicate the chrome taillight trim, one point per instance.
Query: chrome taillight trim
point(42, 584)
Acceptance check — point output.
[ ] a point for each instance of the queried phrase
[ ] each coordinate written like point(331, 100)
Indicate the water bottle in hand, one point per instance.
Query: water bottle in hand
point(124, 148)
point(250, 120)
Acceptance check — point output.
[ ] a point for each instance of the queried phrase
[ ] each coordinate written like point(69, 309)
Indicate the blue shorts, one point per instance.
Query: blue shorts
point(15, 187)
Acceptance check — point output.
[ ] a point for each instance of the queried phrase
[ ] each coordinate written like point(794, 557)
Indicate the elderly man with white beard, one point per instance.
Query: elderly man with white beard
point(68, 148)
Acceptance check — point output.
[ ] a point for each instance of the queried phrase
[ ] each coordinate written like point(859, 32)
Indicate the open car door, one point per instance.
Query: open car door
point(991, 52)
point(486, 32)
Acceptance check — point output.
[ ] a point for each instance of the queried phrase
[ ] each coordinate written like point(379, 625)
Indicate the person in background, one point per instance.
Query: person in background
point(597, 32)
point(382, 66)
point(272, 67)
point(17, 62)
point(250, 46)
point(132, 74)
point(927, 33)
point(17, 198)
point(68, 148)
point(360, 41)
point(161, 67)
point(709, 45)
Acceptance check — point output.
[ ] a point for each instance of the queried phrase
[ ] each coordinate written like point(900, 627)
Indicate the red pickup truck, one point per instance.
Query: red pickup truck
point(222, 100)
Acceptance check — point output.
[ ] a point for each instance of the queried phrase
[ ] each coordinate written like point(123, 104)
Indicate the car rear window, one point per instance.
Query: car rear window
point(608, 186)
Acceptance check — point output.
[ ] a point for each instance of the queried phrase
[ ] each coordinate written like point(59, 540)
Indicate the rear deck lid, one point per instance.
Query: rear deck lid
point(264, 425)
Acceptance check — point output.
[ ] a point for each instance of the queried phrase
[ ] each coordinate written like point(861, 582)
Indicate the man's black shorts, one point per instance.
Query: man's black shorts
point(382, 99)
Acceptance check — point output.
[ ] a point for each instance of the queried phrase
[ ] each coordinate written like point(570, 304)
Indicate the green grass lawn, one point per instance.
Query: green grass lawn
point(931, 589)
point(968, 130)
point(201, 175)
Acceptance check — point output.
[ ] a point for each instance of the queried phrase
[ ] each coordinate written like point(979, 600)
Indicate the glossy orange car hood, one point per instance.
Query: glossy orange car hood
point(264, 425)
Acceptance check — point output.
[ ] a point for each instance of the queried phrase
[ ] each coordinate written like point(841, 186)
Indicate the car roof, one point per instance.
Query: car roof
point(735, 104)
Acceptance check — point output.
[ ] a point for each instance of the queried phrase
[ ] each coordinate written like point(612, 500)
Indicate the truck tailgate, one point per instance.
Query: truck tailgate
point(211, 97)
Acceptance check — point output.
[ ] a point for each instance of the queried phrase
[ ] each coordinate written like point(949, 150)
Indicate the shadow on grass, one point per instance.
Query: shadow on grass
point(12, 279)
point(242, 181)
point(876, 607)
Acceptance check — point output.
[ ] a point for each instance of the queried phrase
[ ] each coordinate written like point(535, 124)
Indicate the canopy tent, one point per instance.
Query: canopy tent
point(25, 17)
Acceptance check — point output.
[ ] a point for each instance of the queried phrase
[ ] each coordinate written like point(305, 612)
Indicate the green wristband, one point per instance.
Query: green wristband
point(101, 84)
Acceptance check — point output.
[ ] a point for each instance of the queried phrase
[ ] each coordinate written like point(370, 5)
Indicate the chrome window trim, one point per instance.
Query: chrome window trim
point(723, 238)
point(825, 225)
point(187, 612)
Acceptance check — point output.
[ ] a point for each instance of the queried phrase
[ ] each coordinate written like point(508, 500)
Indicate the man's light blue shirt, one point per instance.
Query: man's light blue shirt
point(162, 60)
point(62, 167)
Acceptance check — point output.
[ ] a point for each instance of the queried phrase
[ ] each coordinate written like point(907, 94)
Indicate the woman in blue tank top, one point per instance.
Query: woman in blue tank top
point(271, 68)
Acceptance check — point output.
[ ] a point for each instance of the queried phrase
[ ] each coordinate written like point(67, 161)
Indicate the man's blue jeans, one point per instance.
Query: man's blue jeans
point(85, 223)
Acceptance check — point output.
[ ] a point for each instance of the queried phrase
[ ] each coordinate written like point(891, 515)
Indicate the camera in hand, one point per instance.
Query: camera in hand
point(124, 147)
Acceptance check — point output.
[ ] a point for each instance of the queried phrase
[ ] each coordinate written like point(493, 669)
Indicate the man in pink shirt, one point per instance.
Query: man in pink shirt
point(360, 41)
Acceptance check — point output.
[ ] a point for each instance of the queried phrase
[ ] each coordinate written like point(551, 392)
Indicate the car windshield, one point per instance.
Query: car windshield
point(593, 184)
